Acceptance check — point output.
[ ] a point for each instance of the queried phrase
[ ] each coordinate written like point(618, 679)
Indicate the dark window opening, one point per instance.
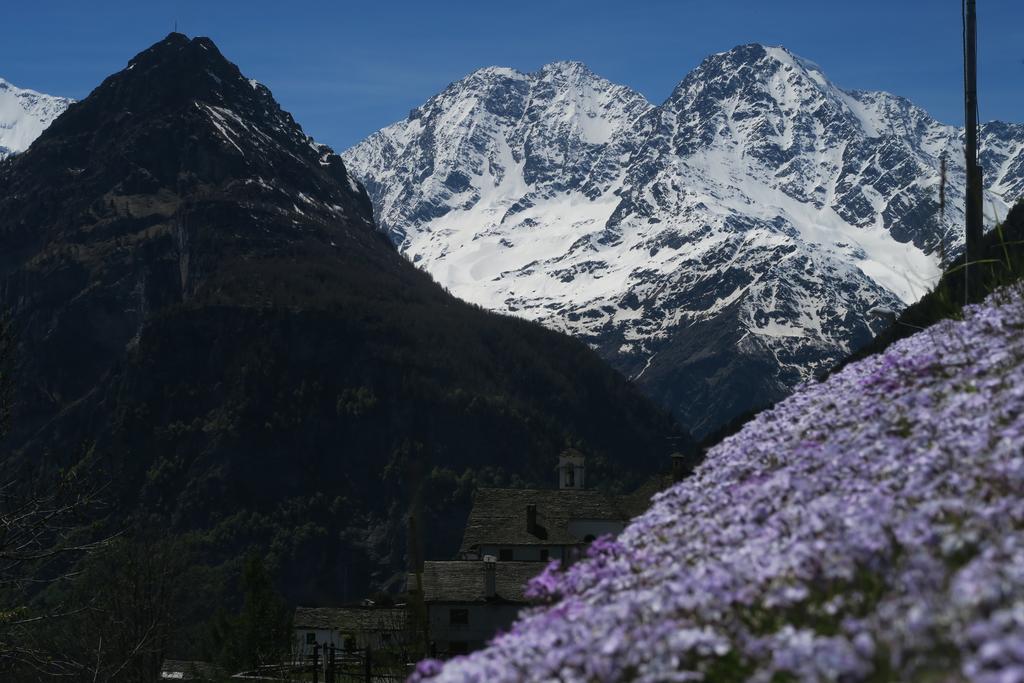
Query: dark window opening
point(458, 617)
point(505, 554)
point(544, 555)
point(570, 476)
point(310, 638)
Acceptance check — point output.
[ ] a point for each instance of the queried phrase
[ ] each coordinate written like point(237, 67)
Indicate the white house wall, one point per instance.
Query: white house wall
point(484, 622)
point(323, 637)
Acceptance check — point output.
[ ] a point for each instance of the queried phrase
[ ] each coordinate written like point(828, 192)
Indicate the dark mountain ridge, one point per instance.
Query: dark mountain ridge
point(208, 320)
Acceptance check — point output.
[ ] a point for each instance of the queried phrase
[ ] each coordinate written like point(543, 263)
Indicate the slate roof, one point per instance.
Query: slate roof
point(458, 581)
point(639, 501)
point(351, 619)
point(498, 516)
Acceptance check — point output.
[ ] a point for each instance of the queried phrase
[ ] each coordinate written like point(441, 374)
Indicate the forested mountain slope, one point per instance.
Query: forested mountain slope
point(210, 325)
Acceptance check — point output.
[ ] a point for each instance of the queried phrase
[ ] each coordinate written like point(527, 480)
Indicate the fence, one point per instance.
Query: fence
point(330, 664)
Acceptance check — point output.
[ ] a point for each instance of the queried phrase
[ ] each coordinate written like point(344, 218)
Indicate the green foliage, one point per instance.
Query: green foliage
point(117, 613)
point(261, 633)
point(356, 402)
point(132, 602)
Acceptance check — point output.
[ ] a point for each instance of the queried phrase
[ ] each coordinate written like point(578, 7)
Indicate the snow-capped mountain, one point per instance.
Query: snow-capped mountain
point(499, 142)
point(24, 115)
point(719, 248)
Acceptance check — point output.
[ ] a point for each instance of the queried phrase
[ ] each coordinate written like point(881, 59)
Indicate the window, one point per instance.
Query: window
point(310, 638)
point(505, 554)
point(570, 476)
point(458, 617)
point(544, 555)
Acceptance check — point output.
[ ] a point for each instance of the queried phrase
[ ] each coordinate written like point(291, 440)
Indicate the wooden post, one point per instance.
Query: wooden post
point(316, 663)
point(331, 664)
point(368, 666)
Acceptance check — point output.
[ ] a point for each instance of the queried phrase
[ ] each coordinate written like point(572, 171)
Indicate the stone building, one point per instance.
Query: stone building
point(467, 602)
point(538, 525)
point(350, 628)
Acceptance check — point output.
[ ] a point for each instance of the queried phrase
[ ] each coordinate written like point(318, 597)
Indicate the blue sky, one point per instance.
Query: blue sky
point(345, 69)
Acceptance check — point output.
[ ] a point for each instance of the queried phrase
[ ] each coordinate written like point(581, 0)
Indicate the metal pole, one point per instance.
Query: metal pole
point(974, 208)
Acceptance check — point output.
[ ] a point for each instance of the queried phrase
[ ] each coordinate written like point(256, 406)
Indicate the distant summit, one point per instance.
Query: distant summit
point(24, 115)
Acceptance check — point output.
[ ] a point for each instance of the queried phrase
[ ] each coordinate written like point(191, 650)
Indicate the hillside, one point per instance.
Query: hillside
point(868, 528)
point(719, 248)
point(210, 325)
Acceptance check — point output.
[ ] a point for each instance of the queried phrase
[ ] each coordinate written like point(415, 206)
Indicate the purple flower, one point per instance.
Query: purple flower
point(873, 519)
point(426, 669)
point(546, 586)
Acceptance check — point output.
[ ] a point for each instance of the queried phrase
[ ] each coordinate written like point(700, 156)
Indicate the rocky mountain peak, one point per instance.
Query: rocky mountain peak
point(757, 60)
point(175, 76)
point(567, 69)
point(182, 118)
point(499, 133)
point(561, 80)
point(491, 73)
point(174, 73)
point(752, 79)
point(181, 130)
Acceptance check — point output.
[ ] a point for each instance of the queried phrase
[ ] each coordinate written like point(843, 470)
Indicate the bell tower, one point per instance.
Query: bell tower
point(571, 470)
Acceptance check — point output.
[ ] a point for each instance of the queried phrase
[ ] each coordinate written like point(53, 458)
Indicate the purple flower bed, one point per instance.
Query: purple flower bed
point(870, 527)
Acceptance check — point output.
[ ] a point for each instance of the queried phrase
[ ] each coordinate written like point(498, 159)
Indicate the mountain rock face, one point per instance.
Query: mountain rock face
point(209, 320)
point(718, 249)
point(24, 115)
